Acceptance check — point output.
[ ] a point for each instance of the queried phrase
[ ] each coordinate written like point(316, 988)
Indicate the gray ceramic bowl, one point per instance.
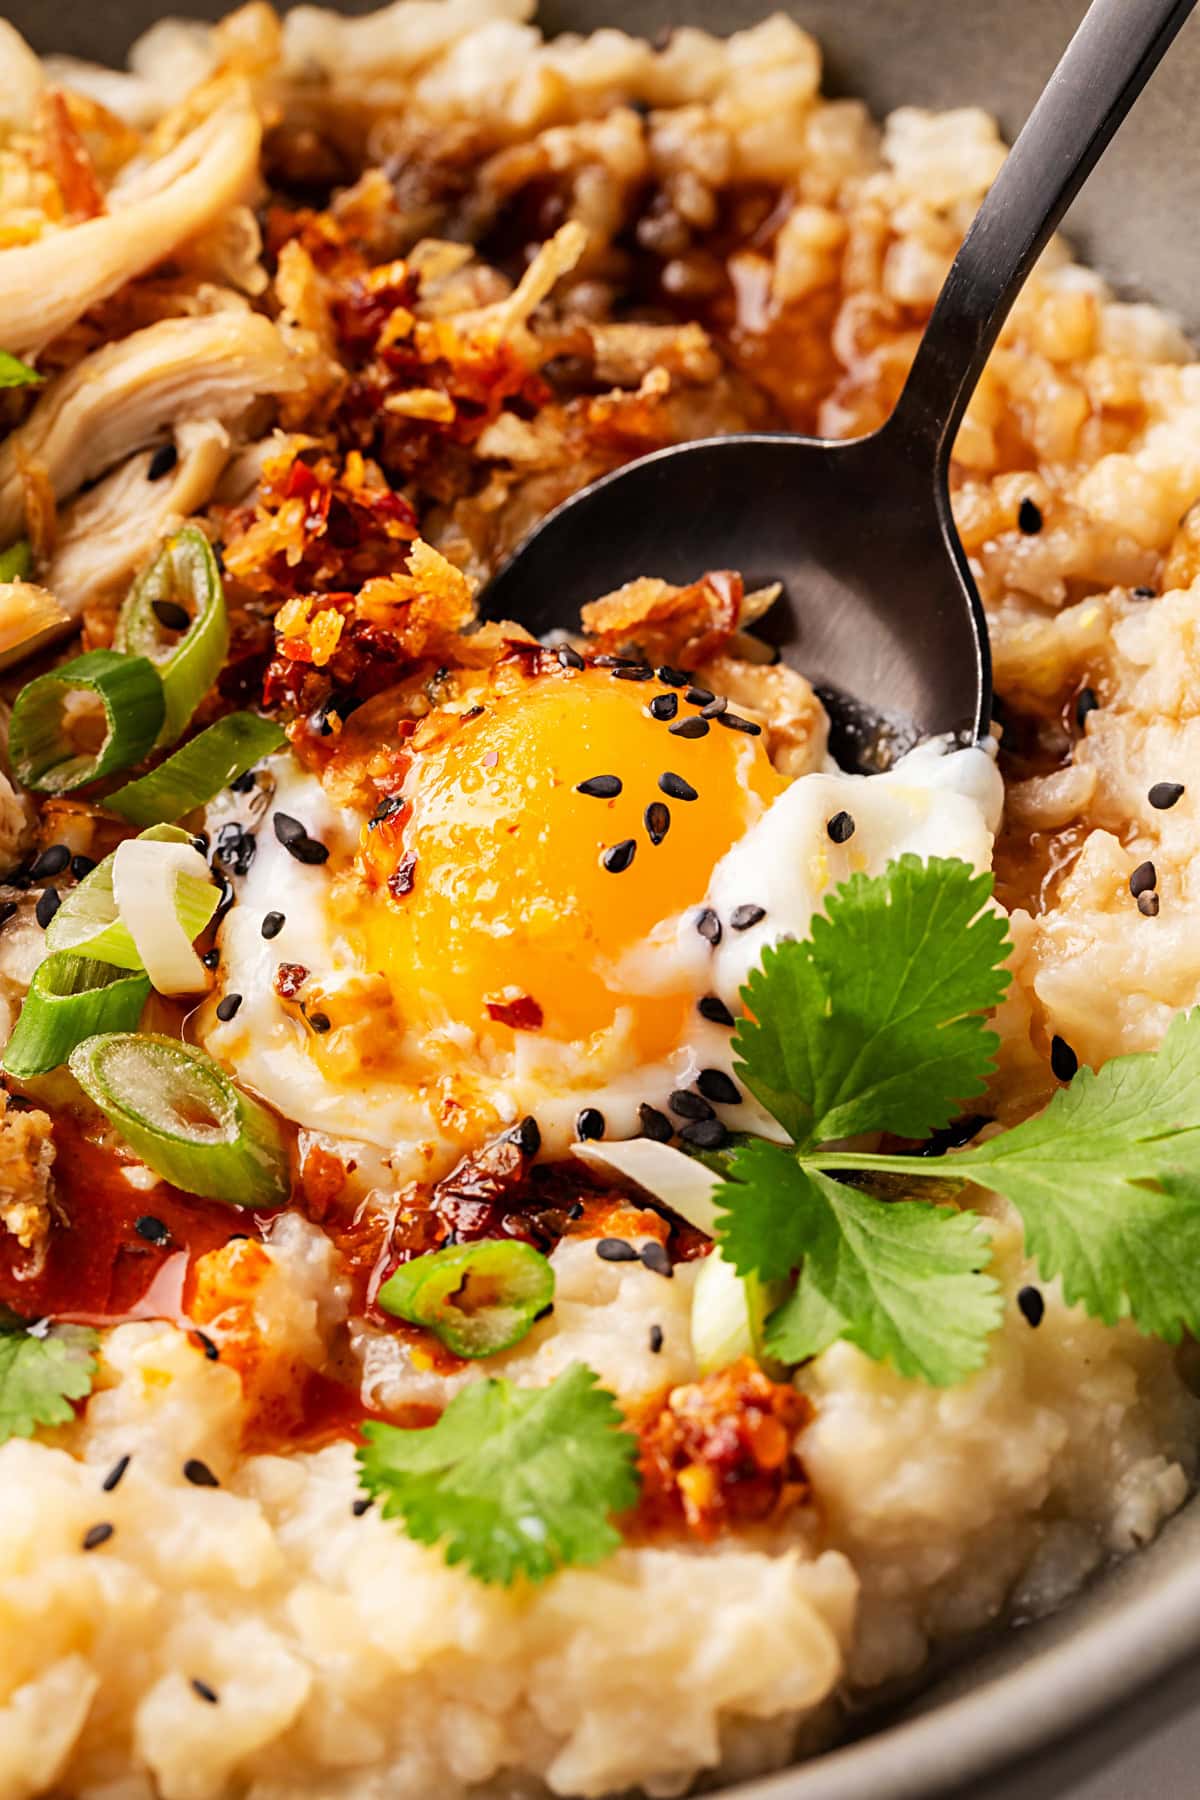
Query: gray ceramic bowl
point(1034, 1710)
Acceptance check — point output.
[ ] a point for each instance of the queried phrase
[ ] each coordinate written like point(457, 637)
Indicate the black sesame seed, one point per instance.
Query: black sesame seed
point(1032, 1305)
point(1143, 593)
point(615, 1250)
point(656, 1339)
point(245, 783)
point(1164, 794)
point(568, 658)
point(1029, 517)
point(658, 821)
point(698, 696)
point(1143, 880)
point(576, 1210)
point(1063, 1060)
point(81, 867)
point(320, 1022)
point(209, 1348)
point(712, 709)
point(709, 926)
point(655, 1124)
point(161, 463)
point(735, 722)
point(664, 707)
point(635, 672)
point(1085, 703)
point(205, 1692)
point(235, 849)
point(296, 841)
point(199, 1473)
point(228, 1007)
point(713, 1008)
point(391, 803)
point(211, 958)
point(362, 1505)
point(954, 1135)
point(115, 1475)
point(840, 828)
point(527, 1135)
point(673, 677)
point(676, 788)
point(617, 857)
point(153, 1230)
point(1148, 905)
point(272, 925)
point(589, 1123)
point(654, 1257)
point(600, 787)
point(691, 727)
point(686, 1105)
point(170, 615)
point(52, 861)
point(743, 917)
point(96, 1535)
point(48, 904)
point(704, 1134)
point(716, 1085)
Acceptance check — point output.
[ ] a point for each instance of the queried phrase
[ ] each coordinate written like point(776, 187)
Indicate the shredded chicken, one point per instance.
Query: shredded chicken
point(153, 209)
point(109, 532)
point(26, 1161)
point(124, 396)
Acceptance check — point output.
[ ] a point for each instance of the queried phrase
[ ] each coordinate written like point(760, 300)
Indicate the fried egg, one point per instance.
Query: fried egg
point(530, 925)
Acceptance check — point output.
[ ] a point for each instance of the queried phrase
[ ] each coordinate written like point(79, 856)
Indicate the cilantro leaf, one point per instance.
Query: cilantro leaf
point(1107, 1182)
point(901, 1279)
point(512, 1481)
point(875, 1022)
point(41, 1373)
point(14, 373)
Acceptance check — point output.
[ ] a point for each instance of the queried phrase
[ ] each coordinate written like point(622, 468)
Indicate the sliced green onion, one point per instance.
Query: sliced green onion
point(183, 579)
point(128, 691)
point(728, 1314)
point(198, 772)
point(16, 563)
point(145, 878)
point(183, 1117)
point(14, 373)
point(682, 1182)
point(69, 999)
point(88, 921)
point(477, 1299)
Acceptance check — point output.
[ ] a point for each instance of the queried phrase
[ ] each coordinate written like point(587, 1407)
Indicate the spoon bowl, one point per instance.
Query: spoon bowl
point(880, 607)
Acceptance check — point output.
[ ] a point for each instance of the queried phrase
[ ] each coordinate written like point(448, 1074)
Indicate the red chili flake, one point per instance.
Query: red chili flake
point(522, 1014)
point(289, 979)
point(403, 876)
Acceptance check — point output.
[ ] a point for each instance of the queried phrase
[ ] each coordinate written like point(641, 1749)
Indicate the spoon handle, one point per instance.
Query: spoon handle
point(1104, 68)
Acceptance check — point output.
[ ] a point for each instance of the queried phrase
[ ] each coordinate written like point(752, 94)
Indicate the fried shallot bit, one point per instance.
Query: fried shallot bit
point(26, 1191)
point(666, 623)
point(64, 156)
point(719, 1453)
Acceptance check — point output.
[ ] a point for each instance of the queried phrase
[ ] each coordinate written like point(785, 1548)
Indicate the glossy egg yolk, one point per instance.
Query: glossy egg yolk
point(494, 908)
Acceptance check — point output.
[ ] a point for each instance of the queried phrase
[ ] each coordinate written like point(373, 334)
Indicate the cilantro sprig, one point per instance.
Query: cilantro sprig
point(879, 1023)
point(15, 373)
point(510, 1481)
point(41, 1372)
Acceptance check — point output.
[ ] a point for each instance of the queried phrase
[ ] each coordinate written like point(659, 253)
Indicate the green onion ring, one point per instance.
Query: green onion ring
point(16, 563)
point(88, 922)
point(184, 575)
point(131, 694)
point(69, 999)
point(477, 1299)
point(196, 774)
point(183, 1117)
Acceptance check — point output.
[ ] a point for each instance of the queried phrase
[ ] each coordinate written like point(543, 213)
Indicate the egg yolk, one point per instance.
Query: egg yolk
point(507, 897)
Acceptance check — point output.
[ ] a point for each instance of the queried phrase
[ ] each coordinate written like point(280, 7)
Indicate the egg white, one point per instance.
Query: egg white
point(935, 802)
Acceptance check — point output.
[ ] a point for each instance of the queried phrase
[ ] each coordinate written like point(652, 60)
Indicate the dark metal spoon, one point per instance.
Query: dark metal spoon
point(880, 609)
